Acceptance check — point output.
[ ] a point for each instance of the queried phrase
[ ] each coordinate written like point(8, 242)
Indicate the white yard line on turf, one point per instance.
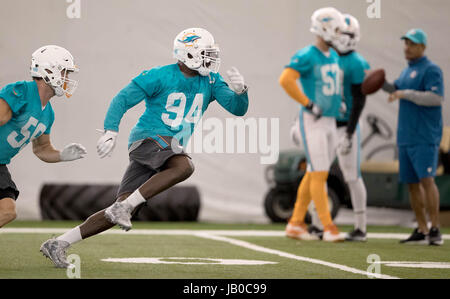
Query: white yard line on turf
point(291, 256)
point(236, 233)
point(218, 235)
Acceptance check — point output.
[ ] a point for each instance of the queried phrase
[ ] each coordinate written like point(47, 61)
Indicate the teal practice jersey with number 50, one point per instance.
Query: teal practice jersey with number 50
point(29, 119)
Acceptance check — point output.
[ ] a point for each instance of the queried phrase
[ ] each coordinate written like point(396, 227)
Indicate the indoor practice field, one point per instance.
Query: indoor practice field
point(244, 147)
point(220, 251)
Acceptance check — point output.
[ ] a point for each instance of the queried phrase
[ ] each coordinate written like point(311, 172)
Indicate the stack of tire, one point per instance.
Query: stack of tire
point(78, 202)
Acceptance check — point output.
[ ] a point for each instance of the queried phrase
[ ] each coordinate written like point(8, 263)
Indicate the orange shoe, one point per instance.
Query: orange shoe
point(299, 231)
point(331, 234)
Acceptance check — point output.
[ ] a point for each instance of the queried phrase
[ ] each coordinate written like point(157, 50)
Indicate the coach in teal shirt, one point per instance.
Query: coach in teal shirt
point(420, 89)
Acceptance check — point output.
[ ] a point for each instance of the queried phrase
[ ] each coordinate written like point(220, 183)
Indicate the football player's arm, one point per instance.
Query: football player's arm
point(357, 76)
point(288, 80)
point(235, 103)
point(127, 98)
point(45, 151)
point(5, 112)
point(359, 101)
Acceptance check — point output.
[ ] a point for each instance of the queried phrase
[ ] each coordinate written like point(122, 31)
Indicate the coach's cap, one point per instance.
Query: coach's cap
point(417, 36)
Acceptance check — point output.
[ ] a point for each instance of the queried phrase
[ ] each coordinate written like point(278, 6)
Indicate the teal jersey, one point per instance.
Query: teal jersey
point(320, 77)
point(354, 66)
point(174, 103)
point(29, 120)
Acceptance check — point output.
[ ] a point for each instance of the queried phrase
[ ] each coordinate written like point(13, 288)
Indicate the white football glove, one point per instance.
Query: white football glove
point(345, 145)
point(295, 133)
point(236, 80)
point(73, 151)
point(314, 109)
point(106, 144)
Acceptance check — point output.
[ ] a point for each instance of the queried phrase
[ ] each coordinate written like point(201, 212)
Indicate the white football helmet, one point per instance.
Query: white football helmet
point(195, 47)
point(52, 64)
point(327, 22)
point(350, 36)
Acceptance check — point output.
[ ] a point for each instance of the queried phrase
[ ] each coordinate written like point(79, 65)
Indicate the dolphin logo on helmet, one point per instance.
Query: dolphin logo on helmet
point(190, 39)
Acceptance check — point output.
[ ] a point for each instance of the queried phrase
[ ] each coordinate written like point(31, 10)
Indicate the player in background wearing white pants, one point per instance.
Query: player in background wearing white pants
point(317, 67)
point(348, 129)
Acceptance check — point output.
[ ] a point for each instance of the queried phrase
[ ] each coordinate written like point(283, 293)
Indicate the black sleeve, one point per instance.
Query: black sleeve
point(359, 100)
point(388, 87)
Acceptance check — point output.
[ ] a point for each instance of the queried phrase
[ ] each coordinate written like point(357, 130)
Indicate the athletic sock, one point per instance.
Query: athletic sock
point(320, 196)
point(72, 236)
point(135, 199)
point(358, 196)
point(303, 200)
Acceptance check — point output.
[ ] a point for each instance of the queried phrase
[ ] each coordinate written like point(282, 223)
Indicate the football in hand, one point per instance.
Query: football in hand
point(373, 82)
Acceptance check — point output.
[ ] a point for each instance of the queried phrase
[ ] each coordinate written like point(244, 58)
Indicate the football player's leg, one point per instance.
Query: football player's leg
point(302, 201)
point(315, 133)
point(320, 196)
point(319, 182)
point(296, 227)
point(8, 196)
point(7, 208)
point(315, 220)
point(350, 166)
point(129, 198)
point(303, 192)
point(326, 143)
point(98, 223)
point(134, 176)
point(55, 248)
point(175, 169)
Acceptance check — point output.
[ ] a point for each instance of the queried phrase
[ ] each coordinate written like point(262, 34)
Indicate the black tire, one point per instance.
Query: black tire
point(279, 204)
point(78, 202)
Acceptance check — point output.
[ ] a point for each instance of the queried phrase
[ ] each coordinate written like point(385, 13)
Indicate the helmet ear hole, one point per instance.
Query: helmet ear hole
point(190, 56)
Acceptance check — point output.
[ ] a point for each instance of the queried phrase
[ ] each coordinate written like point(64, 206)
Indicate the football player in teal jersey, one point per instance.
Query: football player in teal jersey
point(354, 67)
point(27, 115)
point(317, 67)
point(176, 96)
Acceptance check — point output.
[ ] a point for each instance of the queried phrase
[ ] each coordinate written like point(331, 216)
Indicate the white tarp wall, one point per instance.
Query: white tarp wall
point(114, 40)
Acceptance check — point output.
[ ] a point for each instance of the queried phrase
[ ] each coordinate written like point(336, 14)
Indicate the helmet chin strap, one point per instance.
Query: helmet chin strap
point(328, 43)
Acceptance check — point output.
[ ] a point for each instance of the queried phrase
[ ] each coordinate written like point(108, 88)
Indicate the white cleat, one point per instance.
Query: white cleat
point(120, 213)
point(332, 234)
point(55, 250)
point(299, 232)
